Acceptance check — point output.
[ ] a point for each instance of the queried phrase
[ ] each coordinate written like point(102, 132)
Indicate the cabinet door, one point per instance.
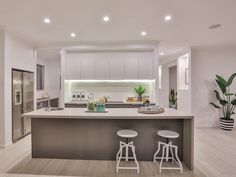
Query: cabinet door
point(131, 66)
point(72, 67)
point(146, 66)
point(87, 66)
point(101, 65)
point(117, 67)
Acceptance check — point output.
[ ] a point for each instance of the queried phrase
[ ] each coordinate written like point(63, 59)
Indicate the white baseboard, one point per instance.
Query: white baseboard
point(3, 146)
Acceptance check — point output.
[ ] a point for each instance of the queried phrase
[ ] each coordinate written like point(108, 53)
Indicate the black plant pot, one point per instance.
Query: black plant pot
point(226, 124)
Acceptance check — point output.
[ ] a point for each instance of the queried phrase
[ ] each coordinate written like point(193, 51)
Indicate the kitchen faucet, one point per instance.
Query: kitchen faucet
point(49, 104)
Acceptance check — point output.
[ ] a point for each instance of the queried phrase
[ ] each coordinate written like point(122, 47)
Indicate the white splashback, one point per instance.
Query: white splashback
point(117, 90)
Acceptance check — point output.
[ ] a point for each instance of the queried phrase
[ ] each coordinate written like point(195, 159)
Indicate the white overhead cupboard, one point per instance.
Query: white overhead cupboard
point(109, 65)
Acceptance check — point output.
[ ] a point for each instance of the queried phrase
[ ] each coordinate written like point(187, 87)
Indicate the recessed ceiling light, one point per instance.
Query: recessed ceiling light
point(168, 18)
point(143, 33)
point(106, 19)
point(215, 26)
point(47, 20)
point(72, 35)
point(162, 53)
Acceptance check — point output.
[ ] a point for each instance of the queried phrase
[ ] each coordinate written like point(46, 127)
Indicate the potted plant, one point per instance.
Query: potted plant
point(173, 99)
point(140, 90)
point(226, 101)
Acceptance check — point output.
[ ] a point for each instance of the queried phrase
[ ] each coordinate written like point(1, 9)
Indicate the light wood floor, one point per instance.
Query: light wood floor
point(215, 152)
point(215, 156)
point(92, 168)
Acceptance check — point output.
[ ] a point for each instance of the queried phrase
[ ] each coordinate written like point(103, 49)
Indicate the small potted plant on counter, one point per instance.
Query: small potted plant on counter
point(100, 105)
point(173, 99)
point(140, 90)
point(226, 101)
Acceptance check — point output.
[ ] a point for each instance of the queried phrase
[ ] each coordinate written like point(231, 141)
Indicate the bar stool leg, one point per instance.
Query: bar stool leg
point(127, 150)
point(118, 153)
point(158, 150)
point(119, 158)
point(171, 151)
point(162, 157)
point(135, 159)
point(177, 158)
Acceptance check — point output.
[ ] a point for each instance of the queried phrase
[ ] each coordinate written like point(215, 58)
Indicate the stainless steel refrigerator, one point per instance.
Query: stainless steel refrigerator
point(22, 102)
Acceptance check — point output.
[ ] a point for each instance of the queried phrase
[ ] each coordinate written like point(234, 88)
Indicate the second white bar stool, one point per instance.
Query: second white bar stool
point(168, 147)
point(124, 147)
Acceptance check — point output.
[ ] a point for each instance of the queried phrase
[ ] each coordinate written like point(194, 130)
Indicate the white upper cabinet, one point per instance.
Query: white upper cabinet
point(72, 65)
point(101, 65)
point(117, 67)
point(109, 65)
point(131, 66)
point(87, 66)
point(146, 65)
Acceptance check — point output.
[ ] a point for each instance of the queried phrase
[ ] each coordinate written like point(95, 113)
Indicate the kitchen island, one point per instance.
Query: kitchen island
point(74, 134)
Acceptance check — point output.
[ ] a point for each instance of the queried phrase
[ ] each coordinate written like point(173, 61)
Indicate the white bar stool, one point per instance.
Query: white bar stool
point(124, 147)
point(168, 147)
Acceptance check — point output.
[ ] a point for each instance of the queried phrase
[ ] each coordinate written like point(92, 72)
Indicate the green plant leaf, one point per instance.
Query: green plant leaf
point(217, 95)
point(233, 102)
point(229, 94)
point(223, 102)
point(231, 79)
point(222, 80)
point(216, 106)
point(222, 86)
point(140, 90)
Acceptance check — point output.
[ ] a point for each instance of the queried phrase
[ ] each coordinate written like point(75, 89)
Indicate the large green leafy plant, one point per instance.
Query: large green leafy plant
point(173, 97)
point(226, 100)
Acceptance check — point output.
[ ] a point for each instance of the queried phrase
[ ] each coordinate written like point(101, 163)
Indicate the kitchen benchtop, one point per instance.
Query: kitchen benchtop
point(113, 113)
point(110, 102)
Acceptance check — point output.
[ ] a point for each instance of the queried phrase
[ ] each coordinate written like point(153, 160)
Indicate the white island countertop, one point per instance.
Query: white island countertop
point(113, 113)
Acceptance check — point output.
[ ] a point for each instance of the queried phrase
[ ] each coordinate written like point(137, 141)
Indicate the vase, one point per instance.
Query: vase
point(226, 124)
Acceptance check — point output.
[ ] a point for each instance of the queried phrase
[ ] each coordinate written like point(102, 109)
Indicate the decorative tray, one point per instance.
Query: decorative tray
point(106, 111)
point(160, 110)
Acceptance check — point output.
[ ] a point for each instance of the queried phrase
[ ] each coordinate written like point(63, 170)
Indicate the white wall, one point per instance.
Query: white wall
point(206, 63)
point(164, 90)
point(2, 51)
point(51, 77)
point(183, 95)
point(19, 54)
point(173, 78)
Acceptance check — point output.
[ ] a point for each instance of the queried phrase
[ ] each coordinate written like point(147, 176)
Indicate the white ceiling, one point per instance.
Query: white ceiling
point(189, 26)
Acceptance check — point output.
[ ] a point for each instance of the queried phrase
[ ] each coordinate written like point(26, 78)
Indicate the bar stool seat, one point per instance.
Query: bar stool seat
point(124, 147)
point(168, 147)
point(168, 134)
point(127, 133)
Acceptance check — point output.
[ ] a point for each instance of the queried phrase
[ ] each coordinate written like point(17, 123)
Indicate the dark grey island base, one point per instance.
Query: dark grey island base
point(93, 136)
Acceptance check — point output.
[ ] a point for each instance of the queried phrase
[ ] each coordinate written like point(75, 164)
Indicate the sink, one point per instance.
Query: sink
point(54, 109)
